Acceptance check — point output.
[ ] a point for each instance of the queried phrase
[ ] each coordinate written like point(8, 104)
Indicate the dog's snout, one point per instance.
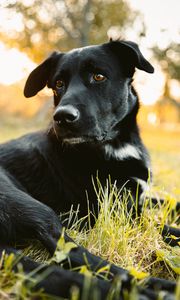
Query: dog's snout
point(66, 114)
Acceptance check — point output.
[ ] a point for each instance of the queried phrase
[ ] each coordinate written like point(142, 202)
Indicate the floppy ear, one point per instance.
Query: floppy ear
point(132, 53)
point(38, 78)
point(141, 62)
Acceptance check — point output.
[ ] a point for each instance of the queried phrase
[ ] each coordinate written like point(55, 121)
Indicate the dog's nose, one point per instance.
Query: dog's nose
point(66, 114)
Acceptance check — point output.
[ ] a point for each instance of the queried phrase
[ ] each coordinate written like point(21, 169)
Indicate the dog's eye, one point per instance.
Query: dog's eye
point(98, 77)
point(59, 84)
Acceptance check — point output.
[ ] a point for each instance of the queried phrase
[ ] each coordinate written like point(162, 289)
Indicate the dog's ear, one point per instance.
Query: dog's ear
point(140, 61)
point(38, 78)
point(131, 54)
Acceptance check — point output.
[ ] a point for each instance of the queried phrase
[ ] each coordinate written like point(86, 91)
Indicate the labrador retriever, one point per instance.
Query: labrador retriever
point(93, 129)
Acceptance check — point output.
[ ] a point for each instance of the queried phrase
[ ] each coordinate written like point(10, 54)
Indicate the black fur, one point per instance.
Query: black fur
point(94, 129)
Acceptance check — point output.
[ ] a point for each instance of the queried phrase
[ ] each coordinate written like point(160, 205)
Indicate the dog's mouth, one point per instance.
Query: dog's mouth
point(75, 140)
point(82, 140)
point(69, 138)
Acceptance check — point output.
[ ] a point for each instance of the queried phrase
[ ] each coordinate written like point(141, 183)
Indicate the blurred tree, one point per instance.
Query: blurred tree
point(169, 61)
point(63, 24)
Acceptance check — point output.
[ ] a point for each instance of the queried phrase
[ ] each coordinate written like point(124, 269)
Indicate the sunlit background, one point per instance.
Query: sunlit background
point(158, 25)
point(31, 29)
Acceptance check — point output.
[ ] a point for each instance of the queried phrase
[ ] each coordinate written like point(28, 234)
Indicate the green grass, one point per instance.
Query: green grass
point(134, 244)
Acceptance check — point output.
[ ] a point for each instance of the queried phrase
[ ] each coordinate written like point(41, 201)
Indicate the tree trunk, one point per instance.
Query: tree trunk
point(86, 24)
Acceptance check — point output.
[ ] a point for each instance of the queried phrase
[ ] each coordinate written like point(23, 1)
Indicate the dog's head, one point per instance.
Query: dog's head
point(92, 89)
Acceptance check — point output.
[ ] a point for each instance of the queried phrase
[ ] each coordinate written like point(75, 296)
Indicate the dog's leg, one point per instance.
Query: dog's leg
point(168, 233)
point(23, 217)
point(55, 280)
point(59, 282)
point(80, 256)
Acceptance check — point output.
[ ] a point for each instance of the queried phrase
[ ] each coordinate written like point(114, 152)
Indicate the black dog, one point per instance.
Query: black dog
point(93, 129)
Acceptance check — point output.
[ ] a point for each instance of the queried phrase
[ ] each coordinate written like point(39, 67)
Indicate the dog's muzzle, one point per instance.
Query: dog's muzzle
point(70, 129)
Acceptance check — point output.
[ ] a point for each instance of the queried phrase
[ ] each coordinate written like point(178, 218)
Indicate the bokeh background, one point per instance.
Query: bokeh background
point(31, 29)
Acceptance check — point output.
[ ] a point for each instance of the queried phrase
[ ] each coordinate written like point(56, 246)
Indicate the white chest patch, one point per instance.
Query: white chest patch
point(121, 153)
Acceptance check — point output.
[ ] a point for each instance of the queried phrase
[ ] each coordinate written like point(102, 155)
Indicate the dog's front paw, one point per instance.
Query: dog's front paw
point(35, 220)
point(48, 230)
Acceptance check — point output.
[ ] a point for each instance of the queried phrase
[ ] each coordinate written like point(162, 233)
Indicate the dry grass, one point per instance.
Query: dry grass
point(164, 148)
